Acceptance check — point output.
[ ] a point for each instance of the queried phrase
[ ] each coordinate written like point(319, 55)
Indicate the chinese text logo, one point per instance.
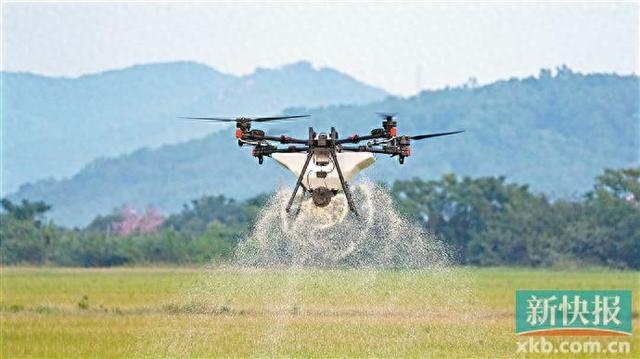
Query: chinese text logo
point(573, 312)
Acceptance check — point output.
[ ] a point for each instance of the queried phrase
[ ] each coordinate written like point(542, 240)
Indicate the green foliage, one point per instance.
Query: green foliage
point(217, 243)
point(208, 231)
point(488, 221)
point(195, 218)
point(103, 224)
point(27, 211)
point(23, 237)
point(84, 303)
point(614, 212)
point(457, 209)
point(491, 222)
point(88, 249)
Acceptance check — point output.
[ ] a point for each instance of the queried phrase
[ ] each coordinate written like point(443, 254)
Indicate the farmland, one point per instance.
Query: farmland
point(226, 311)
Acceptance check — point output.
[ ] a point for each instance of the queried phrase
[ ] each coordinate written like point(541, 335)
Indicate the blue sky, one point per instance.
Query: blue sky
point(399, 47)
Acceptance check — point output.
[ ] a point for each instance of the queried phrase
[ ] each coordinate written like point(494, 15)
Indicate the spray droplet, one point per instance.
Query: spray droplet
point(332, 236)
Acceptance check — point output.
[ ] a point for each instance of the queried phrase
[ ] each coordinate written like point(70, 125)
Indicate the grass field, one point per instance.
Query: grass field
point(177, 312)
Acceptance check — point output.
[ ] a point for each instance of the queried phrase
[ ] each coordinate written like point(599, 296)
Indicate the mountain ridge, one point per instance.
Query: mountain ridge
point(555, 133)
point(59, 124)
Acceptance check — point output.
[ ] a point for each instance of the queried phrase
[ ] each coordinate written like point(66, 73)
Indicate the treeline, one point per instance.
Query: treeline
point(492, 222)
point(205, 230)
point(487, 220)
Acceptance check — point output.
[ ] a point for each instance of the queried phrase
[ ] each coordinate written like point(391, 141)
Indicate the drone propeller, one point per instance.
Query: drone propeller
point(422, 137)
point(387, 115)
point(245, 119)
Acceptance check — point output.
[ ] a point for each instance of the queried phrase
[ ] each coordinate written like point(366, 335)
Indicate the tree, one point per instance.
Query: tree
point(459, 210)
point(491, 222)
point(614, 210)
point(27, 211)
point(23, 237)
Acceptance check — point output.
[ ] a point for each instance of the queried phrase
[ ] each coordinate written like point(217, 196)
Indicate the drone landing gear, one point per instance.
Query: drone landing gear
point(304, 195)
point(299, 182)
point(345, 186)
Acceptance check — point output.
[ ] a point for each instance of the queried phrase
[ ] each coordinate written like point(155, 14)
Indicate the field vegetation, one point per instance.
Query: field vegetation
point(74, 293)
point(199, 312)
point(487, 221)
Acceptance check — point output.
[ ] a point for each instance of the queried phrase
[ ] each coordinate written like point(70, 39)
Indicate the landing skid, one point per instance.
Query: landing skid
point(343, 183)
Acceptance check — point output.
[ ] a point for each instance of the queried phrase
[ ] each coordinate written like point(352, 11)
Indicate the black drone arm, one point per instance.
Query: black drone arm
point(267, 150)
point(291, 149)
point(388, 150)
point(285, 139)
point(357, 138)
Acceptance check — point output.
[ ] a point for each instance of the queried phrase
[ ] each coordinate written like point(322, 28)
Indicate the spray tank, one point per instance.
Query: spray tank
point(321, 179)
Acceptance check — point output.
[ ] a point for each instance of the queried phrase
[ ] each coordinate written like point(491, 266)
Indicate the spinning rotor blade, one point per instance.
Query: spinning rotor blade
point(265, 119)
point(387, 115)
point(213, 119)
point(257, 119)
point(422, 137)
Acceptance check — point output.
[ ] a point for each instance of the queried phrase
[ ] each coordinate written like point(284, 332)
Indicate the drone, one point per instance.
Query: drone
point(335, 160)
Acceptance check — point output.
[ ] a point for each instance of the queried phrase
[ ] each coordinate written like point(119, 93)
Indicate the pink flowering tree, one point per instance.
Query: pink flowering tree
point(134, 222)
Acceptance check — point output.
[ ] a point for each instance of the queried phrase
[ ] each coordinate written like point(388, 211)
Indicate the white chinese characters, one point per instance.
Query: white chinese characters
point(570, 311)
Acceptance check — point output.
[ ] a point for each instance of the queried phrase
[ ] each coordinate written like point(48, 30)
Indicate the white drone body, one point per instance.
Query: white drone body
point(319, 176)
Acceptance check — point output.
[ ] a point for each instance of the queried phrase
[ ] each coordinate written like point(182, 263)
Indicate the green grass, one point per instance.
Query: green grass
point(167, 312)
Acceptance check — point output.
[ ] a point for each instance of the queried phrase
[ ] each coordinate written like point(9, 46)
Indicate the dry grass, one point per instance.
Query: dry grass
point(167, 312)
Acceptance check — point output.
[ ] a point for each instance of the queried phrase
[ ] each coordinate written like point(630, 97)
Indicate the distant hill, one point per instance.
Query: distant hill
point(54, 126)
point(555, 132)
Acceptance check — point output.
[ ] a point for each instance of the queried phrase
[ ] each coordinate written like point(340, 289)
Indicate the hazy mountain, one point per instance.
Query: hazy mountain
point(53, 126)
point(554, 132)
